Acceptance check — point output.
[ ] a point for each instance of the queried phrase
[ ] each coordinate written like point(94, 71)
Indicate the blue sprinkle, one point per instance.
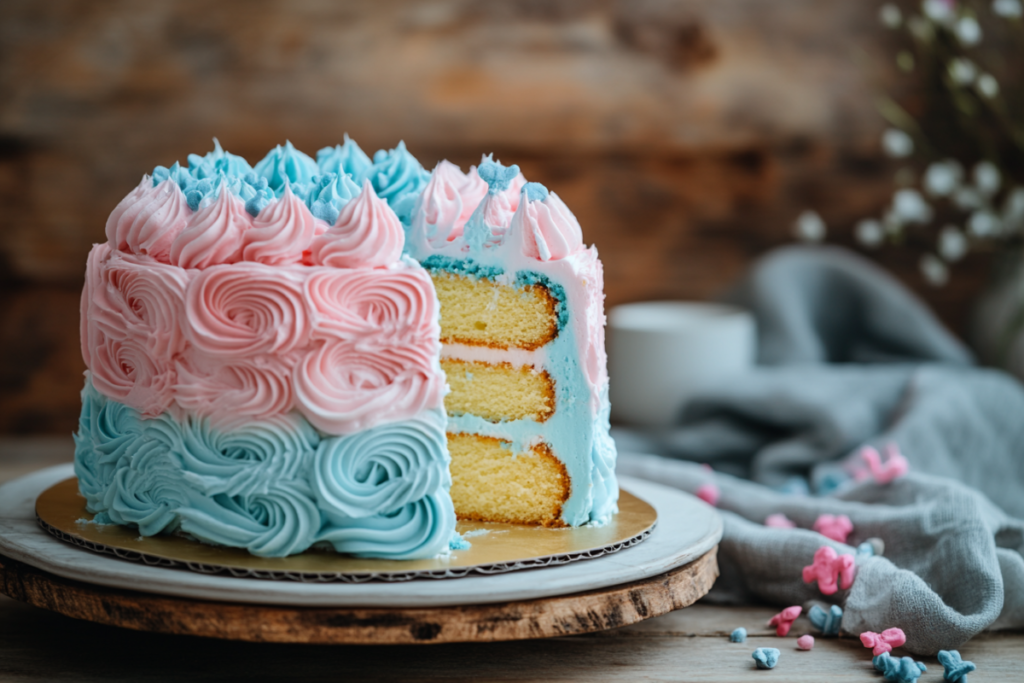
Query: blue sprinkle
point(256, 204)
point(766, 657)
point(496, 176)
point(467, 267)
point(829, 622)
point(902, 670)
point(956, 669)
point(739, 635)
point(866, 549)
point(457, 542)
point(535, 192)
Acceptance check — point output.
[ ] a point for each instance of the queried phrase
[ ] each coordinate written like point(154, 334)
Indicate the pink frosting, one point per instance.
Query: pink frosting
point(499, 210)
point(388, 304)
point(281, 232)
point(247, 309)
point(550, 231)
point(342, 387)
point(137, 298)
point(367, 234)
point(214, 235)
point(473, 190)
point(126, 371)
point(442, 206)
point(149, 219)
point(231, 391)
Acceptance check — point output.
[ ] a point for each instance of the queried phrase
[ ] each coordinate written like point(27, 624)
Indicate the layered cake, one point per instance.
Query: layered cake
point(270, 351)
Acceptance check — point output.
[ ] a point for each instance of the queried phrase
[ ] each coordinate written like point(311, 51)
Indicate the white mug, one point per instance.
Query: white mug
point(661, 353)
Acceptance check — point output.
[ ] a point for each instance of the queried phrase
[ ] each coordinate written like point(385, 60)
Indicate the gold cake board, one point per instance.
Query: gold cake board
point(586, 612)
point(494, 548)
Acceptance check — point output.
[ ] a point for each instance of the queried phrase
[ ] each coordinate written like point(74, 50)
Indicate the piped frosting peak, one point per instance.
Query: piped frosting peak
point(367, 234)
point(543, 226)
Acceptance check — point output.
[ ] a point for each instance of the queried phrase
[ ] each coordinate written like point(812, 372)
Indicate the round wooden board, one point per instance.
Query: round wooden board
point(595, 610)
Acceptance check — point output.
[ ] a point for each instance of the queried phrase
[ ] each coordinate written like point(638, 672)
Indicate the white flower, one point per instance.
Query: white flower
point(939, 11)
point(984, 223)
point(1010, 9)
point(967, 198)
point(809, 227)
point(987, 178)
point(910, 207)
point(934, 270)
point(987, 85)
point(968, 31)
point(890, 16)
point(897, 144)
point(869, 233)
point(962, 71)
point(1013, 210)
point(952, 243)
point(943, 177)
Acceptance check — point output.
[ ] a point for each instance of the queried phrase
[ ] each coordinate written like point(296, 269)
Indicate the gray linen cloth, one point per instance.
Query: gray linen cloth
point(848, 357)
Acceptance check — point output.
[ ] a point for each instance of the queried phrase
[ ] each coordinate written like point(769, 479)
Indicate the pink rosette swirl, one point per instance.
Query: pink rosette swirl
point(214, 235)
point(549, 230)
point(230, 392)
point(367, 234)
point(343, 387)
point(281, 232)
point(147, 222)
point(246, 309)
point(124, 370)
point(387, 304)
point(98, 256)
point(138, 298)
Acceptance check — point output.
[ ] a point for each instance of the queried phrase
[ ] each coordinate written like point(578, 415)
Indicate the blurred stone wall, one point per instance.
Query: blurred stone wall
point(685, 135)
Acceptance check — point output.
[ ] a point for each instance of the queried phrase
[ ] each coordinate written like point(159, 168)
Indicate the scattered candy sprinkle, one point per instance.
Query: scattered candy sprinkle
point(708, 493)
point(784, 619)
point(828, 568)
point(827, 622)
point(766, 657)
point(805, 642)
point(956, 669)
point(836, 527)
point(779, 521)
point(894, 467)
point(902, 670)
point(739, 635)
point(884, 641)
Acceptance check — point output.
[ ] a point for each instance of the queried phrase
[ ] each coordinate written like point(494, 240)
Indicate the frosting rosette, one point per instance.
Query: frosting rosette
point(107, 437)
point(343, 387)
point(214, 234)
point(548, 229)
point(280, 521)
point(125, 370)
point(149, 219)
point(367, 234)
point(284, 165)
point(392, 304)
point(347, 158)
point(380, 470)
point(249, 459)
point(232, 391)
point(246, 309)
point(280, 233)
point(137, 298)
point(418, 530)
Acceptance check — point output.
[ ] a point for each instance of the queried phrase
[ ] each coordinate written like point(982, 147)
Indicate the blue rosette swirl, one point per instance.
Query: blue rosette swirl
point(107, 438)
point(417, 530)
point(280, 521)
point(249, 460)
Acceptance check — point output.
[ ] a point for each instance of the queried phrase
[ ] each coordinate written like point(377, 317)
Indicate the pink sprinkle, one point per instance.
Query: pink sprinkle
point(895, 465)
point(708, 493)
point(884, 641)
point(805, 642)
point(836, 527)
point(784, 619)
point(779, 521)
point(831, 570)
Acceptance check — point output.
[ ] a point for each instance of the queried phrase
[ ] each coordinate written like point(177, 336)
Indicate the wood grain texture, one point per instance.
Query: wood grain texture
point(566, 615)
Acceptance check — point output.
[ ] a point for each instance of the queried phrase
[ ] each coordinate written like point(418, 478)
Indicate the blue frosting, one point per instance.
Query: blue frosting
point(398, 178)
point(457, 542)
point(274, 487)
point(328, 194)
point(347, 158)
point(285, 164)
point(217, 162)
point(467, 267)
point(497, 177)
point(535, 192)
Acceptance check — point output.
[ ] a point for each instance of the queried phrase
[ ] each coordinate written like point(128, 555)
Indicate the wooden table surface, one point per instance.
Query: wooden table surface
point(687, 645)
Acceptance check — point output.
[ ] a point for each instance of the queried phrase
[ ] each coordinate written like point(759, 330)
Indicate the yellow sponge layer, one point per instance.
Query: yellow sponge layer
point(491, 484)
point(498, 392)
point(484, 313)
